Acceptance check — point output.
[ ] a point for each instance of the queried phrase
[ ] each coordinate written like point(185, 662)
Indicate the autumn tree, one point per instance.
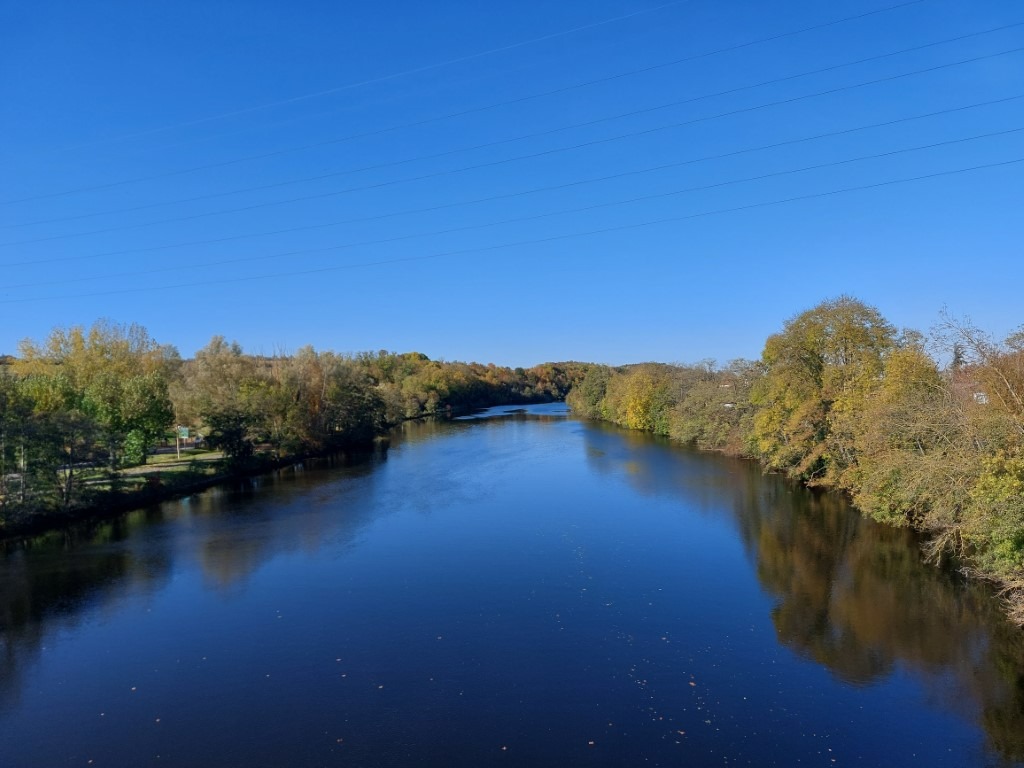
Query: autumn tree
point(912, 439)
point(115, 375)
point(816, 371)
point(995, 371)
point(989, 381)
point(212, 393)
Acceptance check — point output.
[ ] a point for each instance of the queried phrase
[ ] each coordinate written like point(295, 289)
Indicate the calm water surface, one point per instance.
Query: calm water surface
point(520, 590)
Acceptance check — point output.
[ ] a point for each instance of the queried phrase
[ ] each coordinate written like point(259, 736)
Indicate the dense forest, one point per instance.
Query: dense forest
point(926, 432)
point(841, 400)
point(81, 410)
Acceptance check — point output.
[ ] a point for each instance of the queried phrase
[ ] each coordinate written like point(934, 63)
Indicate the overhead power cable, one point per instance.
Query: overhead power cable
point(520, 243)
point(386, 78)
point(532, 217)
point(465, 112)
point(595, 142)
point(521, 193)
point(511, 140)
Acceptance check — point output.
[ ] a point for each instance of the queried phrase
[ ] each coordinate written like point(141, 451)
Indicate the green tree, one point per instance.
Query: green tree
point(114, 375)
point(231, 431)
point(62, 439)
point(995, 529)
point(16, 417)
point(714, 411)
point(587, 399)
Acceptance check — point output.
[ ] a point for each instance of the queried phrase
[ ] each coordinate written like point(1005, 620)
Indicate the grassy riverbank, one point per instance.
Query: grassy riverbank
point(165, 476)
point(81, 412)
point(103, 495)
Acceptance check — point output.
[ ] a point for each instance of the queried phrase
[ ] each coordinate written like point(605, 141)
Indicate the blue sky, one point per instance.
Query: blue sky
point(392, 175)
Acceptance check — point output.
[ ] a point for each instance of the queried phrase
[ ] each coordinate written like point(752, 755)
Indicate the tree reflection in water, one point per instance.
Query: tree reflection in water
point(849, 594)
point(852, 595)
point(48, 583)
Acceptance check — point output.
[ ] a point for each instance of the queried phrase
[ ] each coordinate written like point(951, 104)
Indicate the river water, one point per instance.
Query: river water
point(520, 589)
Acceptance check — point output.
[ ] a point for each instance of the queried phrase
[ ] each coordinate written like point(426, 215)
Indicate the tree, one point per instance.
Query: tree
point(61, 438)
point(996, 370)
point(114, 375)
point(230, 431)
point(587, 399)
point(816, 372)
point(714, 411)
point(915, 450)
point(16, 409)
point(211, 381)
point(647, 400)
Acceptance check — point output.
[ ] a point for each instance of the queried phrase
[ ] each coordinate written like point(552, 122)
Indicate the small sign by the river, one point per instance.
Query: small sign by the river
point(181, 433)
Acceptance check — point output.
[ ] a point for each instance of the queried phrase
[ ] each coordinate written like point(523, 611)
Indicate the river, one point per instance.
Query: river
point(521, 589)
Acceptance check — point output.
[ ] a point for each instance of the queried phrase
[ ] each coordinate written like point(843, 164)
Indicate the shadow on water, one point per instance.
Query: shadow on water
point(49, 582)
point(851, 595)
point(295, 508)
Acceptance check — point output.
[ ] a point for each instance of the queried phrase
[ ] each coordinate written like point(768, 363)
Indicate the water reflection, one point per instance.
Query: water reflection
point(849, 595)
point(295, 509)
point(852, 595)
point(49, 582)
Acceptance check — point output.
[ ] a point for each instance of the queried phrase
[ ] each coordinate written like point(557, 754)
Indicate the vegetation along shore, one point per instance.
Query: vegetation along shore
point(921, 431)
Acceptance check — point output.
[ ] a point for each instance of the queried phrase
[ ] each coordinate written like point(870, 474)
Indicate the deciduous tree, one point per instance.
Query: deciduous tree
point(815, 372)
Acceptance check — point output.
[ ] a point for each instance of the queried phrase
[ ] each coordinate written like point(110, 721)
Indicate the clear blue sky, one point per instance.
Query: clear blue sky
point(134, 132)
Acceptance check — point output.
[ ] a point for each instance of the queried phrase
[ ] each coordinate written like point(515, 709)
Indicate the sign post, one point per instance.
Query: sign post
point(180, 433)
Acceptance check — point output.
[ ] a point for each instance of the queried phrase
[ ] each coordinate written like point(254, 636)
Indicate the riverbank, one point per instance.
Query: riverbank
point(169, 474)
point(79, 409)
point(938, 547)
point(165, 477)
point(389, 602)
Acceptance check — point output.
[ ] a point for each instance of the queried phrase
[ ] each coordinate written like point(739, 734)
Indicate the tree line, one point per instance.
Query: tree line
point(926, 432)
point(83, 406)
point(921, 431)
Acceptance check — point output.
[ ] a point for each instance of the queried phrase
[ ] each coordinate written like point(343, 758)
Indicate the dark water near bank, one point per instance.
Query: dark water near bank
point(523, 591)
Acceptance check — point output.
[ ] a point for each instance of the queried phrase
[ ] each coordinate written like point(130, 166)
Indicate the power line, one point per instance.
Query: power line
point(462, 113)
point(544, 153)
point(500, 142)
point(538, 241)
point(386, 78)
point(508, 195)
point(534, 217)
